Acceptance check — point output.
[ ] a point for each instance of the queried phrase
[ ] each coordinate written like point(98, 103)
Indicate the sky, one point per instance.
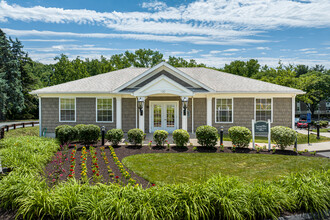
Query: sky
point(214, 32)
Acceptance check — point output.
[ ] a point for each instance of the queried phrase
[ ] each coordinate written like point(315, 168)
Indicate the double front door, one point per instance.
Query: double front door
point(164, 116)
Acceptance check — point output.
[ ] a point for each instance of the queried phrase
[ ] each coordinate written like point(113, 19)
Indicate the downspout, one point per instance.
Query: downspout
point(40, 128)
point(192, 114)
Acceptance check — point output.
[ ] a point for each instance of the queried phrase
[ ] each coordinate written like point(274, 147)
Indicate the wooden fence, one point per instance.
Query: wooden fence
point(13, 126)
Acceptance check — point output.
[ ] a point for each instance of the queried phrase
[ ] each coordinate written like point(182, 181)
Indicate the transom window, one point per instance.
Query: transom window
point(224, 110)
point(104, 110)
point(67, 109)
point(263, 109)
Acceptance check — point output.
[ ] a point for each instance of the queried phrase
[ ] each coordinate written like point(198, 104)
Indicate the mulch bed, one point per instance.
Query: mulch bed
point(123, 151)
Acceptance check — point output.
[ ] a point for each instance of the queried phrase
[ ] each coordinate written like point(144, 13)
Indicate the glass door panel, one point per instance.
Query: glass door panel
point(170, 115)
point(157, 116)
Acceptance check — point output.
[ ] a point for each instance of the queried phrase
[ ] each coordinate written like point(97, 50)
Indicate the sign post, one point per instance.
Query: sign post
point(261, 128)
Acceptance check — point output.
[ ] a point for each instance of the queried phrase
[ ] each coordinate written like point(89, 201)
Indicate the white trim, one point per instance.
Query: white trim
point(142, 117)
point(96, 98)
point(142, 91)
point(157, 67)
point(232, 111)
point(184, 118)
point(293, 111)
point(177, 123)
point(118, 112)
point(192, 114)
point(209, 110)
point(75, 108)
point(136, 113)
point(40, 121)
point(272, 106)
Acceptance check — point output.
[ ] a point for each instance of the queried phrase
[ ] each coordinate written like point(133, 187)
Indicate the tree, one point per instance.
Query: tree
point(241, 68)
point(13, 99)
point(317, 88)
point(301, 70)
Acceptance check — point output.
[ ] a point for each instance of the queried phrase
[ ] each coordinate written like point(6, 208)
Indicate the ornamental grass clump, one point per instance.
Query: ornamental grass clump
point(283, 136)
point(181, 137)
point(240, 136)
point(135, 136)
point(160, 137)
point(207, 136)
point(115, 136)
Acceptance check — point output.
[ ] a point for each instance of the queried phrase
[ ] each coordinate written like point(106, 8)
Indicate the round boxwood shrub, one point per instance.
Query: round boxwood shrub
point(207, 136)
point(79, 128)
point(135, 136)
point(160, 137)
point(181, 137)
point(283, 136)
point(240, 136)
point(89, 133)
point(115, 136)
point(66, 133)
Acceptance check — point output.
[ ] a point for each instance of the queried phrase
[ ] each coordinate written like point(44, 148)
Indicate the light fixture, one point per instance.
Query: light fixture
point(184, 105)
point(140, 103)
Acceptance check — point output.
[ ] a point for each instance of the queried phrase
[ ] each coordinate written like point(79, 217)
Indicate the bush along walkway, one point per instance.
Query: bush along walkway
point(90, 164)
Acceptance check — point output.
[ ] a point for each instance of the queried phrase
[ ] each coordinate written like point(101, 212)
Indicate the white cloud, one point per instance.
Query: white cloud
point(49, 40)
point(306, 49)
point(217, 20)
point(262, 48)
point(201, 40)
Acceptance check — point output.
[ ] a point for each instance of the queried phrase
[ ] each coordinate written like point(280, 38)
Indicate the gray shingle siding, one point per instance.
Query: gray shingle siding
point(199, 112)
point(86, 113)
point(128, 113)
point(282, 112)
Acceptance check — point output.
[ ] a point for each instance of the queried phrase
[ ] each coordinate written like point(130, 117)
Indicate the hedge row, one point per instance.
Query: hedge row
point(207, 136)
point(221, 197)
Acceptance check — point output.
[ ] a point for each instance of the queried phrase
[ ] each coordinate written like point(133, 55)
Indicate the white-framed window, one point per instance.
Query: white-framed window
point(263, 109)
point(224, 110)
point(104, 110)
point(67, 109)
point(298, 106)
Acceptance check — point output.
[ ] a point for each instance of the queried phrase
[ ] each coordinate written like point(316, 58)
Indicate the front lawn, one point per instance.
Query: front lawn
point(185, 167)
point(19, 132)
point(322, 130)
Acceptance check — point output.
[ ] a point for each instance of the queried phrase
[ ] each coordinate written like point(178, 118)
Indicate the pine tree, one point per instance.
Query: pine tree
point(10, 81)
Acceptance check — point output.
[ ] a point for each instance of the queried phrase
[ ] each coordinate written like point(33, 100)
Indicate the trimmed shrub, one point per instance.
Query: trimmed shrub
point(181, 137)
point(89, 133)
point(323, 124)
point(207, 136)
point(160, 137)
point(283, 136)
point(240, 136)
point(79, 128)
point(66, 133)
point(135, 136)
point(115, 136)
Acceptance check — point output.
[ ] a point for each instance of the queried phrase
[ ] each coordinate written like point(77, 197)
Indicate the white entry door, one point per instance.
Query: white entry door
point(164, 116)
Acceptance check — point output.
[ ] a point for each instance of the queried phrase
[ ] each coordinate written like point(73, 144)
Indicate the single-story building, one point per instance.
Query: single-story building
point(165, 97)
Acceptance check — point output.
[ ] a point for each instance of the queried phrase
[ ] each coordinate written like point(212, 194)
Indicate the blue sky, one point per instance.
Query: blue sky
point(213, 32)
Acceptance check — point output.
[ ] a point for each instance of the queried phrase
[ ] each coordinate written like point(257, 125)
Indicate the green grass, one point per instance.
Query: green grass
point(322, 130)
point(302, 139)
point(20, 132)
point(186, 167)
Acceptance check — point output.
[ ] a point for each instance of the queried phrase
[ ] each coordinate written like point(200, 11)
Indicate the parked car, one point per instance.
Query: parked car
point(302, 124)
point(296, 120)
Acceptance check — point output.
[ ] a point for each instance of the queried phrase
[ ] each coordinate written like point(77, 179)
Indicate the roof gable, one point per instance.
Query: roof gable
point(163, 85)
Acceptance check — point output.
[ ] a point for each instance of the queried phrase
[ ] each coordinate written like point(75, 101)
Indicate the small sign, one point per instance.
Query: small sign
point(261, 127)
point(309, 117)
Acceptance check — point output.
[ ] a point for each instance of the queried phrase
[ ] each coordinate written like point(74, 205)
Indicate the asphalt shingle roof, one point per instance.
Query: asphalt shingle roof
point(218, 81)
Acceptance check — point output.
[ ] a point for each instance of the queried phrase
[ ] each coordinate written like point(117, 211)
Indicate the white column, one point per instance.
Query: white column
point(184, 118)
point(192, 114)
point(209, 110)
point(40, 128)
point(118, 112)
point(141, 116)
point(293, 111)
